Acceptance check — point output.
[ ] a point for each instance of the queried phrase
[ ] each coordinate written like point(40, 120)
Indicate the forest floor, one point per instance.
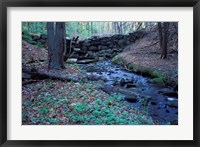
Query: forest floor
point(47, 101)
point(59, 102)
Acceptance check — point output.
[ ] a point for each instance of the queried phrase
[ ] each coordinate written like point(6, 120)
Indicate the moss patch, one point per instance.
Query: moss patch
point(158, 77)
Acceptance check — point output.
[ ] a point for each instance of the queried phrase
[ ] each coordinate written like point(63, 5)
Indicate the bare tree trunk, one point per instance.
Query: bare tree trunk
point(139, 26)
point(59, 42)
point(75, 29)
point(28, 26)
point(115, 27)
point(91, 29)
point(160, 34)
point(102, 28)
point(121, 27)
point(36, 28)
point(50, 34)
point(165, 40)
point(56, 44)
point(133, 26)
point(99, 28)
point(124, 27)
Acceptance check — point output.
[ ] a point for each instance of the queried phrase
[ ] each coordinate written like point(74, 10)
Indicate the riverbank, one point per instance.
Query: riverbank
point(143, 57)
point(161, 71)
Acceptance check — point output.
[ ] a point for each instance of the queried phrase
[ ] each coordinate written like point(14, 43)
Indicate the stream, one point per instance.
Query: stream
point(137, 90)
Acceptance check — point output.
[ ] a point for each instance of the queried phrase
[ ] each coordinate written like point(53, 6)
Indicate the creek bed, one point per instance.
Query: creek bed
point(139, 91)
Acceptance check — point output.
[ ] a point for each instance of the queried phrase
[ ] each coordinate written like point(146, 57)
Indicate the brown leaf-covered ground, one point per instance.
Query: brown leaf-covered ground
point(146, 53)
point(56, 102)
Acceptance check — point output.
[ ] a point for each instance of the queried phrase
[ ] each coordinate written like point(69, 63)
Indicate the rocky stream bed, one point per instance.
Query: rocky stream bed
point(159, 101)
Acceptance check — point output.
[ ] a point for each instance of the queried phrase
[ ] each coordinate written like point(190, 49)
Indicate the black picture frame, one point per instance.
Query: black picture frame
point(4, 4)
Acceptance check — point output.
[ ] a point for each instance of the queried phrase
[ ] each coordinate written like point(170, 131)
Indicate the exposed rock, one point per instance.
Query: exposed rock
point(122, 43)
point(96, 43)
point(109, 56)
point(86, 61)
point(77, 49)
point(43, 36)
point(108, 88)
point(91, 55)
point(87, 44)
point(104, 47)
point(138, 34)
point(130, 85)
point(99, 47)
point(173, 104)
point(131, 99)
point(93, 77)
point(109, 51)
point(36, 38)
point(42, 41)
point(122, 82)
point(71, 60)
point(78, 45)
point(153, 103)
point(170, 94)
point(84, 48)
point(176, 87)
point(26, 75)
point(93, 48)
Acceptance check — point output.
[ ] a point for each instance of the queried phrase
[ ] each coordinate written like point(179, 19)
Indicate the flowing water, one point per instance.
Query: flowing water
point(139, 91)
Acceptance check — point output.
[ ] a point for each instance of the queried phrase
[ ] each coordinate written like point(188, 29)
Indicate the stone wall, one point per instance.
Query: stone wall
point(94, 47)
point(116, 41)
point(107, 46)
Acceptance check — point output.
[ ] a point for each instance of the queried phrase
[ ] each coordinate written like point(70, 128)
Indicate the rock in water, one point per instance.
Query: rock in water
point(130, 85)
point(171, 94)
point(122, 82)
point(153, 103)
point(108, 89)
point(131, 99)
point(86, 61)
point(77, 49)
point(71, 60)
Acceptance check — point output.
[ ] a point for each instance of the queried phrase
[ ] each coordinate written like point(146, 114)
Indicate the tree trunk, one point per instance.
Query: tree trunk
point(165, 40)
point(28, 26)
point(115, 27)
point(50, 35)
point(91, 31)
point(133, 26)
point(121, 27)
point(160, 34)
point(139, 26)
point(99, 29)
point(56, 44)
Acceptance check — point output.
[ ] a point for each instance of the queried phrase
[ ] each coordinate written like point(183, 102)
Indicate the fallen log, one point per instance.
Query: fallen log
point(36, 74)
